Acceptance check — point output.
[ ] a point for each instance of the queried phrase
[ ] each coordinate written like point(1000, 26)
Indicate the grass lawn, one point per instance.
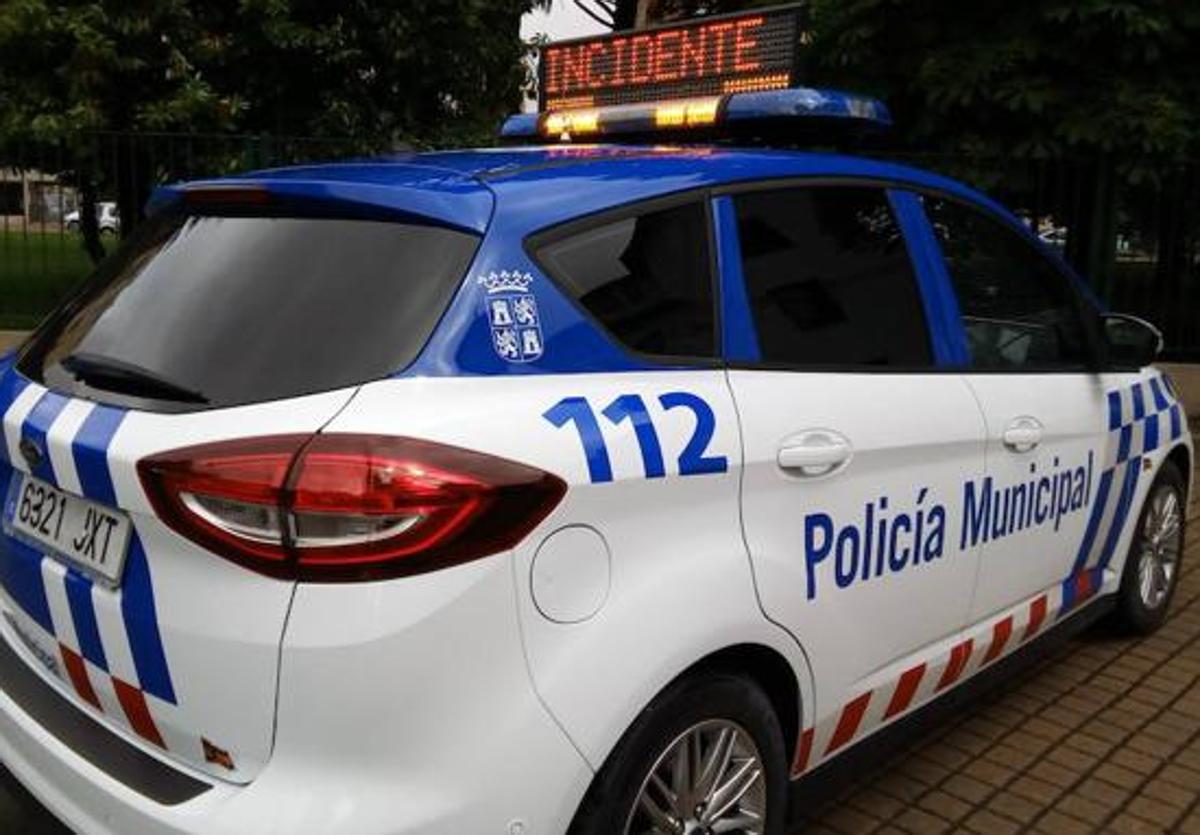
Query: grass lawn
point(36, 270)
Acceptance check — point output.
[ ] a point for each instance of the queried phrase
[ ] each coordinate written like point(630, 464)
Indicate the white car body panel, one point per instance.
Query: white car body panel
point(645, 635)
point(907, 432)
point(815, 518)
point(210, 674)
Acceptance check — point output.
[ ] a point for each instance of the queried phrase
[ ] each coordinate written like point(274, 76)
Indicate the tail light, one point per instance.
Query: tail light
point(346, 507)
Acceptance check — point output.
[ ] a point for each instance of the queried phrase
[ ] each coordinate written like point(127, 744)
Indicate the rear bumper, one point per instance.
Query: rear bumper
point(404, 707)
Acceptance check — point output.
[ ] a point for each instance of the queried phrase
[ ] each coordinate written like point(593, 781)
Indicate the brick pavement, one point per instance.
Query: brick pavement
point(1102, 734)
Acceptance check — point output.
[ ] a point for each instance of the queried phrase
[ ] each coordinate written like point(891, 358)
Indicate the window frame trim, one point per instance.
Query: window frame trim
point(709, 196)
point(534, 242)
point(894, 184)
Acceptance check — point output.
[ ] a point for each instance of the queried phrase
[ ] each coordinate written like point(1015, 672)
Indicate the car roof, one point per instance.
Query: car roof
point(530, 188)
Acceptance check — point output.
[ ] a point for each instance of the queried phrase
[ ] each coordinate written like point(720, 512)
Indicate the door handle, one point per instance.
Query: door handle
point(1023, 434)
point(816, 452)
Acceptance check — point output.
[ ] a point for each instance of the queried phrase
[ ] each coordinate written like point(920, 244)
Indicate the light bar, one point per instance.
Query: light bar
point(711, 56)
point(736, 114)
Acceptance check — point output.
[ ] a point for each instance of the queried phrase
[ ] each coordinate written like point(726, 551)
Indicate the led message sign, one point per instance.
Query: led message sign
point(706, 57)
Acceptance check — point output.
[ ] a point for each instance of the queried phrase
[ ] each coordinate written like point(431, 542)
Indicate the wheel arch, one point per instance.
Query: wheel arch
point(766, 667)
point(1181, 457)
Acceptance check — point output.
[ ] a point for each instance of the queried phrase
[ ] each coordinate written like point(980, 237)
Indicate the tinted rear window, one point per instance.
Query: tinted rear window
point(205, 311)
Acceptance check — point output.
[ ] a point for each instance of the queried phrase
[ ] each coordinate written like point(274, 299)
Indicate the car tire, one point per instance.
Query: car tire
point(703, 714)
point(72, 226)
point(1152, 566)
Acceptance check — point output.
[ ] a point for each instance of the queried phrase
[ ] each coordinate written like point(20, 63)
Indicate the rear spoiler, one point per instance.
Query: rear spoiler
point(428, 197)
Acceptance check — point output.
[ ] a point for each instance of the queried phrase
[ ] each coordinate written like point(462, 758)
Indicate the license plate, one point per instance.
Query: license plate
point(84, 533)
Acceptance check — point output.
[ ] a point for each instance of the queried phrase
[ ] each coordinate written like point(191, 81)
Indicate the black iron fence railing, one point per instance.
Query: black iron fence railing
point(46, 247)
point(1134, 234)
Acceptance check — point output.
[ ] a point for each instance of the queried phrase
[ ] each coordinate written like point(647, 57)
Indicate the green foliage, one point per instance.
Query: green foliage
point(1095, 78)
point(1092, 78)
point(383, 71)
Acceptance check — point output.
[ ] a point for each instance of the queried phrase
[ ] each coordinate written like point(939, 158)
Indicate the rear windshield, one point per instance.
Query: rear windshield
point(202, 311)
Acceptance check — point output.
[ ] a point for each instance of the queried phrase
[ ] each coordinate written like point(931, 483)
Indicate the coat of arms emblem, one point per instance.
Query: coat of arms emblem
point(512, 312)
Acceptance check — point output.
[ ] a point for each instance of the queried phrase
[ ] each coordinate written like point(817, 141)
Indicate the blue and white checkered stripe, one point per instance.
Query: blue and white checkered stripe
point(1142, 417)
point(122, 640)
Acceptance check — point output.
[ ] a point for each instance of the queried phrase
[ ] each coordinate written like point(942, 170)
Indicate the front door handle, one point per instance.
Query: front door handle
point(814, 453)
point(1023, 434)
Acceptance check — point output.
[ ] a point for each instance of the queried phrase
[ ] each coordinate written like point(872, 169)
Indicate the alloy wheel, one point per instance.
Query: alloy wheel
point(709, 780)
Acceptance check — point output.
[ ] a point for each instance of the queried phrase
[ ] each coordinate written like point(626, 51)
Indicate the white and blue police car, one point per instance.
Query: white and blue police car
point(575, 488)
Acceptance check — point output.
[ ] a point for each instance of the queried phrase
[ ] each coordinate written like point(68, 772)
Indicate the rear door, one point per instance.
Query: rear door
point(205, 329)
point(1033, 367)
point(856, 447)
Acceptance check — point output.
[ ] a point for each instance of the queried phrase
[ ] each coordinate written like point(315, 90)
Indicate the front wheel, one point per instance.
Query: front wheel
point(706, 756)
point(1152, 567)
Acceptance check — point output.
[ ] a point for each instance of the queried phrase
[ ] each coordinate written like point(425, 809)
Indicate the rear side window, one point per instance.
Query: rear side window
point(829, 278)
point(647, 279)
point(204, 311)
point(1018, 310)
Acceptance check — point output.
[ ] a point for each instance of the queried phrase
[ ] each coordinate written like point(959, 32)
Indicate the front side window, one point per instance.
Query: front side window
point(829, 278)
point(646, 279)
point(1018, 310)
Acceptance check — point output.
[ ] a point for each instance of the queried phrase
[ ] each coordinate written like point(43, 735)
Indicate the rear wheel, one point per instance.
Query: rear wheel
point(706, 756)
point(1152, 567)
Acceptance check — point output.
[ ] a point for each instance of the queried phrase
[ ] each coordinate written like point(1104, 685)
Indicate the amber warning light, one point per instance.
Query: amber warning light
point(712, 56)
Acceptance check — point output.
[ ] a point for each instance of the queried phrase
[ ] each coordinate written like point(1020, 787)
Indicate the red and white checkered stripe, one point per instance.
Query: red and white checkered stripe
point(108, 693)
point(902, 688)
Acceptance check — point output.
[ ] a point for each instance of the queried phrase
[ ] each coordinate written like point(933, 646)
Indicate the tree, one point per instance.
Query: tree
point(379, 72)
point(1103, 89)
point(627, 13)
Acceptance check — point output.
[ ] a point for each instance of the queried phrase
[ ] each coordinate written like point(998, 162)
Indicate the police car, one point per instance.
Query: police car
point(600, 488)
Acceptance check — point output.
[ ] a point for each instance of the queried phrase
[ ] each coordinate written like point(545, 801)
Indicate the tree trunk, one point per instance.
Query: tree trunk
point(88, 223)
point(134, 181)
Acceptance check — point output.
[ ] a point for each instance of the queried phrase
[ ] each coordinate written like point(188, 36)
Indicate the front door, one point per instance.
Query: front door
point(1050, 456)
point(855, 450)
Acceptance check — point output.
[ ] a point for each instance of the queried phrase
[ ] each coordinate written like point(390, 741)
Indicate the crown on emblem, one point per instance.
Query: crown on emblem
point(506, 281)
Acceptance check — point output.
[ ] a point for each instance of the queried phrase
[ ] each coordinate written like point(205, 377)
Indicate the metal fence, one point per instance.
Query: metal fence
point(1134, 234)
point(1141, 253)
point(42, 248)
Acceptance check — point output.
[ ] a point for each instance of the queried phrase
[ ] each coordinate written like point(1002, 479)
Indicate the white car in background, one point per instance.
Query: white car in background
point(107, 218)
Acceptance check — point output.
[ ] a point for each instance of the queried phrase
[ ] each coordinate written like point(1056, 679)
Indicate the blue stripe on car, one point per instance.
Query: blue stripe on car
point(1093, 523)
point(11, 386)
point(21, 574)
point(1160, 398)
point(138, 611)
point(90, 450)
point(1114, 410)
point(739, 336)
point(37, 425)
point(83, 615)
point(1124, 501)
point(141, 624)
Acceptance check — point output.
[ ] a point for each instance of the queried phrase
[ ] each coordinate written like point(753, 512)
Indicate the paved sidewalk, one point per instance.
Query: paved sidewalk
point(1101, 735)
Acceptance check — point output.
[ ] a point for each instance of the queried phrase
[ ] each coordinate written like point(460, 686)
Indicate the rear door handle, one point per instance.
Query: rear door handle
point(1023, 434)
point(814, 453)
